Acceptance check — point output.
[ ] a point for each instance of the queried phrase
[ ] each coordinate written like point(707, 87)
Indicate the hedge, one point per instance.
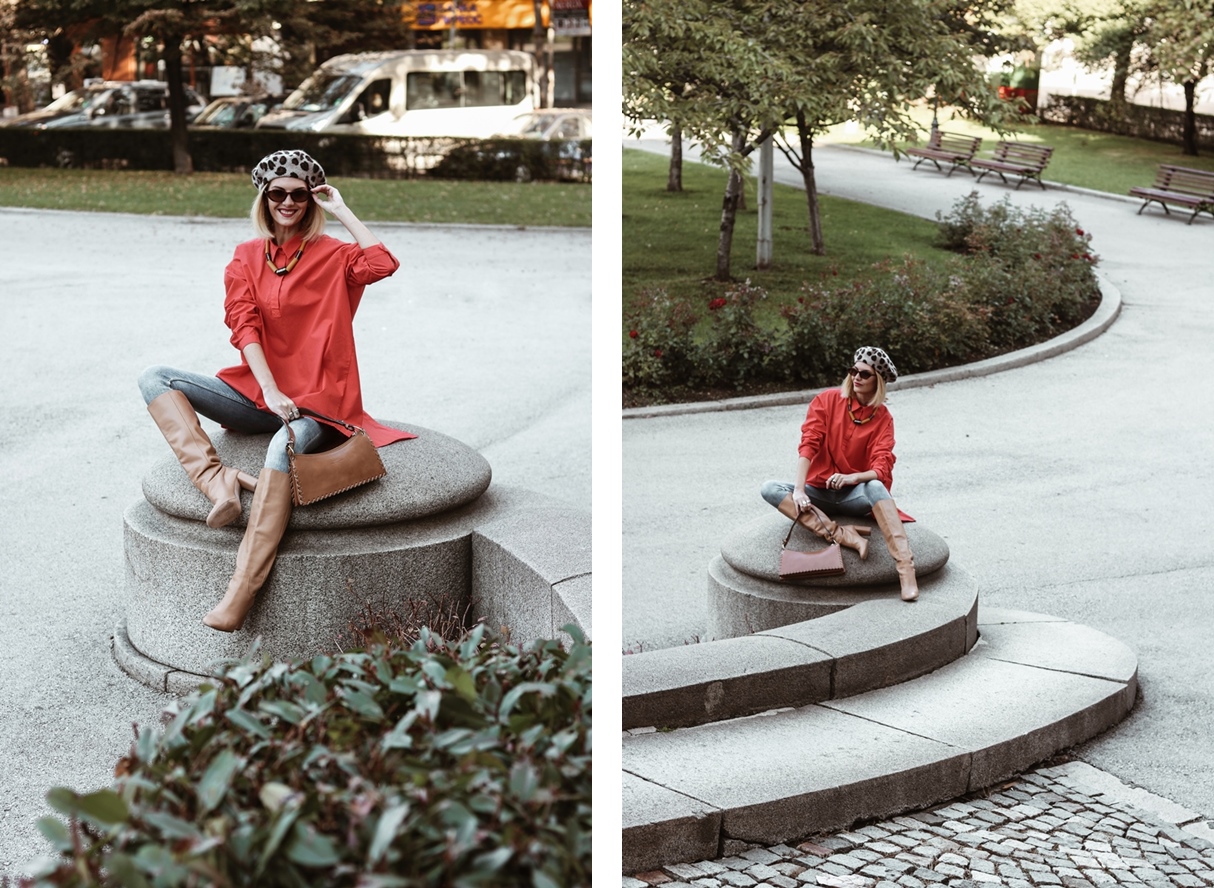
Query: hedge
point(344, 155)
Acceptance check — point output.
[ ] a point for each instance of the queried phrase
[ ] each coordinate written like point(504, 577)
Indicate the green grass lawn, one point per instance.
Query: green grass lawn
point(231, 194)
point(670, 239)
point(1101, 161)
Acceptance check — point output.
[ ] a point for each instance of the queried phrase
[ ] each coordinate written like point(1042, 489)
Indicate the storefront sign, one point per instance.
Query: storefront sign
point(570, 18)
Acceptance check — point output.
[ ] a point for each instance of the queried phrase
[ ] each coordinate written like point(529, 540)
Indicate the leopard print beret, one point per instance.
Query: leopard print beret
point(295, 164)
point(878, 360)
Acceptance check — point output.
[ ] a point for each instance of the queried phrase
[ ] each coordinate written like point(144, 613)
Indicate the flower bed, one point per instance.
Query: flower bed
point(1019, 277)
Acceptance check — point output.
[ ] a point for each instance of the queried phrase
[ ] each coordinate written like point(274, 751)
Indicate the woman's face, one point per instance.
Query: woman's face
point(288, 212)
point(863, 381)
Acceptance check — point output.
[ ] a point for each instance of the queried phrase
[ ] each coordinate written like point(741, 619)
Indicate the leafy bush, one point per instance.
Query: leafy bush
point(916, 312)
point(660, 348)
point(447, 764)
point(1031, 269)
point(1020, 277)
point(740, 351)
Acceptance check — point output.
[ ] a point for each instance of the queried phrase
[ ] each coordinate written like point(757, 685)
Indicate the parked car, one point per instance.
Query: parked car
point(419, 93)
point(502, 157)
point(235, 112)
point(136, 104)
point(553, 123)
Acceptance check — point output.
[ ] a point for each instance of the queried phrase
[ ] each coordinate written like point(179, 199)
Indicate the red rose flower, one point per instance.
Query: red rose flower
point(1079, 231)
point(714, 304)
point(657, 353)
point(632, 334)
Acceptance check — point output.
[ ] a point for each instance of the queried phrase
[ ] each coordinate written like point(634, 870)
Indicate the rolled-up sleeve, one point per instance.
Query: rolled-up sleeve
point(813, 430)
point(240, 310)
point(370, 265)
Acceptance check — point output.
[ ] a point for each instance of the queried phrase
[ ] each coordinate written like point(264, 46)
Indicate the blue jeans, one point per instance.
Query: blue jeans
point(853, 502)
point(215, 399)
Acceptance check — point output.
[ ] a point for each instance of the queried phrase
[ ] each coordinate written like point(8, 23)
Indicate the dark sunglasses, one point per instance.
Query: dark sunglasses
point(299, 195)
point(862, 375)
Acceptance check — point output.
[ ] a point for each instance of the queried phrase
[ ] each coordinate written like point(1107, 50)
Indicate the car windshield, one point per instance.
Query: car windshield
point(322, 91)
point(533, 124)
point(78, 100)
point(218, 114)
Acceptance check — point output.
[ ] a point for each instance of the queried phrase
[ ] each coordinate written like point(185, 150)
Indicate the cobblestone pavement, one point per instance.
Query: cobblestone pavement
point(1044, 828)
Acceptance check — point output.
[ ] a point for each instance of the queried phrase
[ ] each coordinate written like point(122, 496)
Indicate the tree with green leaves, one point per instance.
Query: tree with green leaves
point(730, 75)
point(1180, 37)
point(704, 66)
point(867, 61)
point(305, 31)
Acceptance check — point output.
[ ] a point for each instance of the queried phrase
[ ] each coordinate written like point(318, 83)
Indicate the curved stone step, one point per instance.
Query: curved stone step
point(1031, 686)
point(865, 638)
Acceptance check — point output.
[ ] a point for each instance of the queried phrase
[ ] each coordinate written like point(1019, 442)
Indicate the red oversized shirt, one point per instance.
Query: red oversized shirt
point(832, 442)
point(304, 322)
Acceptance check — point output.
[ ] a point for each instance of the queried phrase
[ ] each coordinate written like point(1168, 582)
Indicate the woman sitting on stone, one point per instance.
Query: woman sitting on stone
point(846, 465)
point(291, 297)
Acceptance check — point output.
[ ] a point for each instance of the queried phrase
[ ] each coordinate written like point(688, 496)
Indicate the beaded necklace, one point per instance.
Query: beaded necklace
point(294, 260)
point(869, 418)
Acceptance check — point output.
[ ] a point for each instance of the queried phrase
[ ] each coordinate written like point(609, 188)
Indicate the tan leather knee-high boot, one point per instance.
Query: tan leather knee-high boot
point(178, 422)
point(890, 523)
point(814, 519)
point(268, 518)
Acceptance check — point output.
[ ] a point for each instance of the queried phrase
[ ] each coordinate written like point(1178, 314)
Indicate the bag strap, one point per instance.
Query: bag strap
point(788, 536)
point(353, 429)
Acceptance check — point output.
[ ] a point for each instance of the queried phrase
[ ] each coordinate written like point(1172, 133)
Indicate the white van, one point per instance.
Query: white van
point(464, 93)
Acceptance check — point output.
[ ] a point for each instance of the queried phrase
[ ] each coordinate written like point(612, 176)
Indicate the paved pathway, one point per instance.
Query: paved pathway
point(89, 300)
point(1070, 826)
point(1078, 487)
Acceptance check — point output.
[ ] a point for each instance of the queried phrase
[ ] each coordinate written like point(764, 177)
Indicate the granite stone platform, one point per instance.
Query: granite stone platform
point(747, 595)
point(1031, 686)
point(432, 529)
point(831, 701)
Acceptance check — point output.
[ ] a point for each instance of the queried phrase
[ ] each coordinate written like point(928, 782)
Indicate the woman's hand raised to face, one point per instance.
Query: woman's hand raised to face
point(328, 198)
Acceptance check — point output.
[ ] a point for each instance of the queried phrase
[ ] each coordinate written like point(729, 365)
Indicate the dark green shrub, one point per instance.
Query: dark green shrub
point(340, 154)
point(1029, 269)
point(445, 764)
point(1020, 277)
point(515, 160)
point(914, 311)
point(659, 346)
point(736, 350)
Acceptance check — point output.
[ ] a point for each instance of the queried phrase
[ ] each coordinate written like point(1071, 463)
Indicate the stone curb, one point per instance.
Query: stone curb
point(1105, 315)
point(203, 220)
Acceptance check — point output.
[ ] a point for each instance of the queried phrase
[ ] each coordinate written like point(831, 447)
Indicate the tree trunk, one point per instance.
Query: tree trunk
point(1121, 74)
point(1190, 119)
point(178, 134)
point(811, 186)
point(674, 181)
point(729, 213)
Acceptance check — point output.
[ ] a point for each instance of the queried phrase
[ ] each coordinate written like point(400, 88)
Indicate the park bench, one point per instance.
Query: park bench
point(1016, 159)
point(1182, 186)
point(951, 148)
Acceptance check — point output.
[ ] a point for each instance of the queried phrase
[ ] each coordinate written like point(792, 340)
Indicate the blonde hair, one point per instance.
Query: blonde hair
point(311, 226)
point(878, 397)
